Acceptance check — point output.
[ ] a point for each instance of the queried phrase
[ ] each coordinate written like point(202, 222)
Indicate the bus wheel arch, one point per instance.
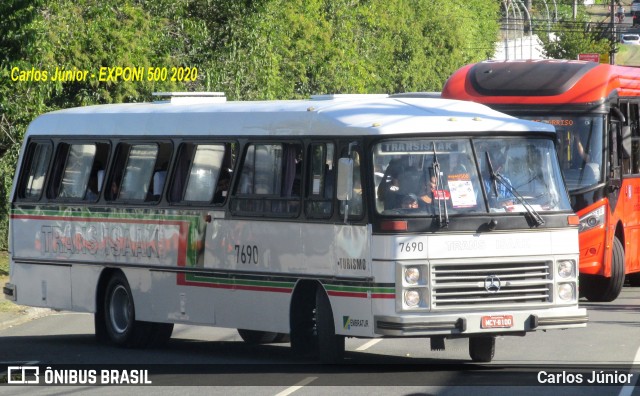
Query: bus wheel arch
point(301, 317)
point(312, 326)
point(330, 344)
point(99, 318)
point(118, 314)
point(600, 288)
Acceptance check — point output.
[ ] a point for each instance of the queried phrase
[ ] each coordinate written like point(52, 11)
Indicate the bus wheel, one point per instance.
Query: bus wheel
point(482, 349)
point(119, 315)
point(282, 338)
point(600, 288)
point(330, 344)
point(304, 340)
point(257, 337)
point(160, 334)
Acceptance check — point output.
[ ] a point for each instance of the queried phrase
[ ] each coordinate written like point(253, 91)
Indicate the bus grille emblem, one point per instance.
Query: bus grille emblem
point(492, 284)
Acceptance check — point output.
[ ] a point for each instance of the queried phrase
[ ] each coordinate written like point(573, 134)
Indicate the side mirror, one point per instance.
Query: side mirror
point(345, 179)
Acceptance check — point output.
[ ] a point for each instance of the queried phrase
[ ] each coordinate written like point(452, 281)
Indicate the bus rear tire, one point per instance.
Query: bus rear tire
point(255, 337)
point(119, 315)
point(282, 338)
point(160, 334)
point(482, 349)
point(330, 344)
point(601, 289)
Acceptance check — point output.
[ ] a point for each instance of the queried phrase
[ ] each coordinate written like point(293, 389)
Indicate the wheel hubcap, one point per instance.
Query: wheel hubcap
point(120, 309)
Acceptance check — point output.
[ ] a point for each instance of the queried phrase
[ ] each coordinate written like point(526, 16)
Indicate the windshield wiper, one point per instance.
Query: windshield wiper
point(495, 176)
point(443, 220)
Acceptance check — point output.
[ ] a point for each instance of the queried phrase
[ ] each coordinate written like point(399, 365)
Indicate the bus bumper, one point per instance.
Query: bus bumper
point(461, 324)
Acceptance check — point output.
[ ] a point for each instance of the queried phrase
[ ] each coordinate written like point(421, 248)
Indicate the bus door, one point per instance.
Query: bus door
point(629, 198)
point(353, 236)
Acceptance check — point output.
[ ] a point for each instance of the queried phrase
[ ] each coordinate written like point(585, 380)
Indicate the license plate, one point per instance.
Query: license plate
point(494, 322)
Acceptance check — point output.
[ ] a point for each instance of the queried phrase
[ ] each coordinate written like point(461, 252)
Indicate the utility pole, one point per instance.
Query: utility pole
point(612, 24)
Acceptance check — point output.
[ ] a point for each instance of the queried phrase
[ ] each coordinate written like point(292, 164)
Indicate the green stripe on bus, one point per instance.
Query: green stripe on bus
point(360, 289)
point(238, 281)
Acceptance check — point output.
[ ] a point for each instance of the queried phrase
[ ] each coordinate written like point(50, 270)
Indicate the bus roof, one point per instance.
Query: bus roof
point(542, 82)
point(330, 115)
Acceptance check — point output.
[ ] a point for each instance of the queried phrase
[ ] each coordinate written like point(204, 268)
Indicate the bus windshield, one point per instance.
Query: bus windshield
point(429, 177)
point(580, 148)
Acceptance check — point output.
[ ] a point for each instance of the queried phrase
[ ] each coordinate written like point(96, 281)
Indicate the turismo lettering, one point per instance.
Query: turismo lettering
point(352, 263)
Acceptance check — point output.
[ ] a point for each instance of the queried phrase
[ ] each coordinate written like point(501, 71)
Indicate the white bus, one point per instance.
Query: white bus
point(305, 221)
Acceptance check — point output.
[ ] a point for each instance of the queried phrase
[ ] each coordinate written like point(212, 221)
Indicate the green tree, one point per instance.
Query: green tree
point(294, 48)
point(569, 37)
point(85, 35)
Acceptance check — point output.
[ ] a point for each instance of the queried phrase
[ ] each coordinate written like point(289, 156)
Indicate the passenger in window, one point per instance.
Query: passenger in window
point(157, 184)
point(115, 190)
point(222, 188)
point(94, 183)
point(427, 193)
point(411, 179)
point(388, 189)
point(92, 193)
point(579, 156)
point(409, 201)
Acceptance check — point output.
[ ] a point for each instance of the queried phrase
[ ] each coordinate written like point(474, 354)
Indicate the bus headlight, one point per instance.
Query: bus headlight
point(566, 268)
point(566, 292)
point(412, 298)
point(592, 219)
point(412, 275)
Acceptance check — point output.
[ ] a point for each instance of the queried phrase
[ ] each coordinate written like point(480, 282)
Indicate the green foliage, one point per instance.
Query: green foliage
point(293, 48)
point(571, 37)
point(85, 35)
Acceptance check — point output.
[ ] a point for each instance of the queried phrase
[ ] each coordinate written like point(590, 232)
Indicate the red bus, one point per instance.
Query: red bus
point(595, 109)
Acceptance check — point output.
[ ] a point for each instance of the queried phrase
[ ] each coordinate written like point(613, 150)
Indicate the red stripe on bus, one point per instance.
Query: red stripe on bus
point(94, 220)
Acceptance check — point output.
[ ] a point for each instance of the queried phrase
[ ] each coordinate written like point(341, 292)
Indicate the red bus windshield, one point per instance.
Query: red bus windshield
point(580, 148)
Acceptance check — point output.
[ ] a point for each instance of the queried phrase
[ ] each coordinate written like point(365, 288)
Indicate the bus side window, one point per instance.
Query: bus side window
point(34, 170)
point(321, 180)
point(96, 176)
point(203, 173)
point(268, 180)
point(133, 170)
point(78, 162)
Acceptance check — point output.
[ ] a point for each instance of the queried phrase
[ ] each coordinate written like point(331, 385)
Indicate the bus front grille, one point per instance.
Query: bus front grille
point(497, 285)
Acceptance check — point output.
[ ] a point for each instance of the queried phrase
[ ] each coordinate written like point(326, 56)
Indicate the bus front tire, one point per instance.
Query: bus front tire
point(255, 337)
point(482, 349)
point(602, 289)
point(330, 344)
point(119, 316)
